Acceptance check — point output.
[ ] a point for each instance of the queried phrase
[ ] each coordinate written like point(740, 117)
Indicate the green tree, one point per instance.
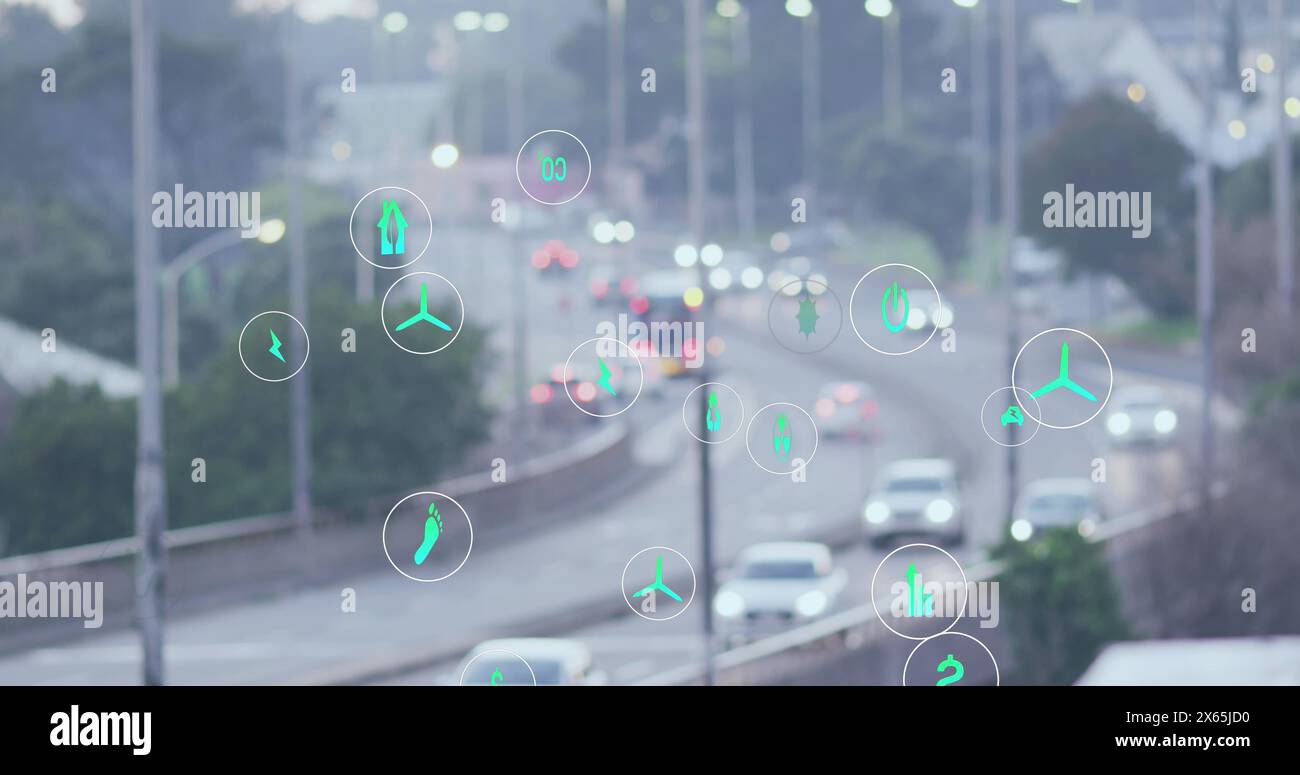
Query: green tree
point(382, 420)
point(1106, 144)
point(1060, 605)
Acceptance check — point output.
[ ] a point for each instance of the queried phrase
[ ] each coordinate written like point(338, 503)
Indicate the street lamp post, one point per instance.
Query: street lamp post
point(743, 131)
point(811, 74)
point(979, 91)
point(1284, 238)
point(1205, 247)
point(892, 87)
point(1010, 215)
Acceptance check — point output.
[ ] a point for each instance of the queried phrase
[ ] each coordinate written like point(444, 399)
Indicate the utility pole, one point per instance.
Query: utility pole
point(1205, 249)
point(893, 69)
point(979, 124)
point(300, 395)
point(695, 204)
point(1010, 217)
point(1284, 239)
point(744, 126)
point(812, 99)
point(615, 86)
point(150, 482)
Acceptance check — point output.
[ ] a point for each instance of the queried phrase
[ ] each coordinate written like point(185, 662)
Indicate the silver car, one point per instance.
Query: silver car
point(1071, 502)
point(1140, 415)
point(776, 585)
point(920, 496)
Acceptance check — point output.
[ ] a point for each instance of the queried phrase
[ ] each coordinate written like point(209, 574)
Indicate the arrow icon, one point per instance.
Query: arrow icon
point(274, 349)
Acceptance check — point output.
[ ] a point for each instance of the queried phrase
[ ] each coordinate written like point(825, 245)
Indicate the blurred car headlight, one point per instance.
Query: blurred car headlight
point(811, 603)
point(942, 317)
point(1021, 530)
point(876, 512)
point(939, 510)
point(1165, 421)
point(728, 604)
point(1118, 424)
point(1087, 527)
point(916, 319)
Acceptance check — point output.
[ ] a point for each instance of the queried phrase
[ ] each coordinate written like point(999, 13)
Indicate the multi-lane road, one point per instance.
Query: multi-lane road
point(560, 575)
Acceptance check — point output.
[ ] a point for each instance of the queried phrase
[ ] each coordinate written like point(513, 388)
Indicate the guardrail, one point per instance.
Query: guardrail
point(242, 559)
point(853, 627)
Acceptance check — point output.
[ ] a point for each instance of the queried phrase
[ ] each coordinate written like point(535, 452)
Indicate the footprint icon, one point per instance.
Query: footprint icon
point(432, 529)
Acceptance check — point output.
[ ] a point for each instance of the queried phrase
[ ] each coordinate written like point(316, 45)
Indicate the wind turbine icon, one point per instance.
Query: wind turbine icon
point(423, 314)
point(1064, 381)
point(659, 582)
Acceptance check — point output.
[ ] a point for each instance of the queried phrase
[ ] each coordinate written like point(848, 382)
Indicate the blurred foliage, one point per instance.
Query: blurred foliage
point(1060, 606)
point(66, 466)
point(1138, 156)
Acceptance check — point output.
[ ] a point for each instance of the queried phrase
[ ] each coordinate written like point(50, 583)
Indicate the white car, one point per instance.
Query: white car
point(1140, 414)
point(925, 308)
point(1057, 503)
point(776, 585)
point(554, 662)
point(914, 496)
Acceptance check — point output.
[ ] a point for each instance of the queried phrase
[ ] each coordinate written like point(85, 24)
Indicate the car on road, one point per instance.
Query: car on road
point(554, 662)
point(776, 585)
point(915, 497)
point(847, 410)
point(925, 308)
point(1066, 502)
point(1140, 415)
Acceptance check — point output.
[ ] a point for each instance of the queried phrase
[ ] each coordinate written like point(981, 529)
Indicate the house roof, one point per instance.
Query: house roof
point(28, 368)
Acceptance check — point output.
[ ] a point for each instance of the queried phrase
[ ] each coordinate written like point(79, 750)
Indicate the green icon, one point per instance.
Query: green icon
point(658, 583)
point(432, 529)
point(423, 314)
point(899, 300)
point(605, 376)
point(807, 317)
point(1012, 415)
point(554, 168)
point(274, 349)
point(391, 220)
point(713, 417)
point(918, 603)
point(951, 663)
point(781, 436)
point(497, 679)
point(1064, 381)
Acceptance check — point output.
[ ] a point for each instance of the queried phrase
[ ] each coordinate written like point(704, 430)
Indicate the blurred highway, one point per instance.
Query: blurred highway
point(561, 577)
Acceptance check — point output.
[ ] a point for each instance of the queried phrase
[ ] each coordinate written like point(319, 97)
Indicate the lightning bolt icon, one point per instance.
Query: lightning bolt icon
point(604, 377)
point(274, 349)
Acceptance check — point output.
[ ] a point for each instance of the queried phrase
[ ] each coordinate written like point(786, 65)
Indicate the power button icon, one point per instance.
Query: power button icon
point(894, 299)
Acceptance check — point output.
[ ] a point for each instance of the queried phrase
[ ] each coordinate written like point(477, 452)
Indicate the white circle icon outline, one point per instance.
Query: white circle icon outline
point(1110, 385)
point(1037, 425)
point(383, 535)
point(826, 291)
point(622, 584)
point(305, 337)
point(687, 403)
point(811, 421)
point(484, 653)
point(997, 673)
point(459, 301)
point(934, 328)
point(352, 234)
point(965, 592)
point(520, 156)
point(635, 357)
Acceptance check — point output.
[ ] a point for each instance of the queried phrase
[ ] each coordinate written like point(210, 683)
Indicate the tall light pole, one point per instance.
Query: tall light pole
point(1205, 247)
point(300, 389)
point(1284, 229)
point(695, 204)
point(1010, 215)
point(150, 483)
point(743, 127)
point(615, 85)
point(892, 86)
point(811, 77)
point(979, 91)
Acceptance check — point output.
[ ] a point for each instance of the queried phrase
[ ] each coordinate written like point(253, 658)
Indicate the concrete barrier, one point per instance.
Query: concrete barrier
point(243, 559)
